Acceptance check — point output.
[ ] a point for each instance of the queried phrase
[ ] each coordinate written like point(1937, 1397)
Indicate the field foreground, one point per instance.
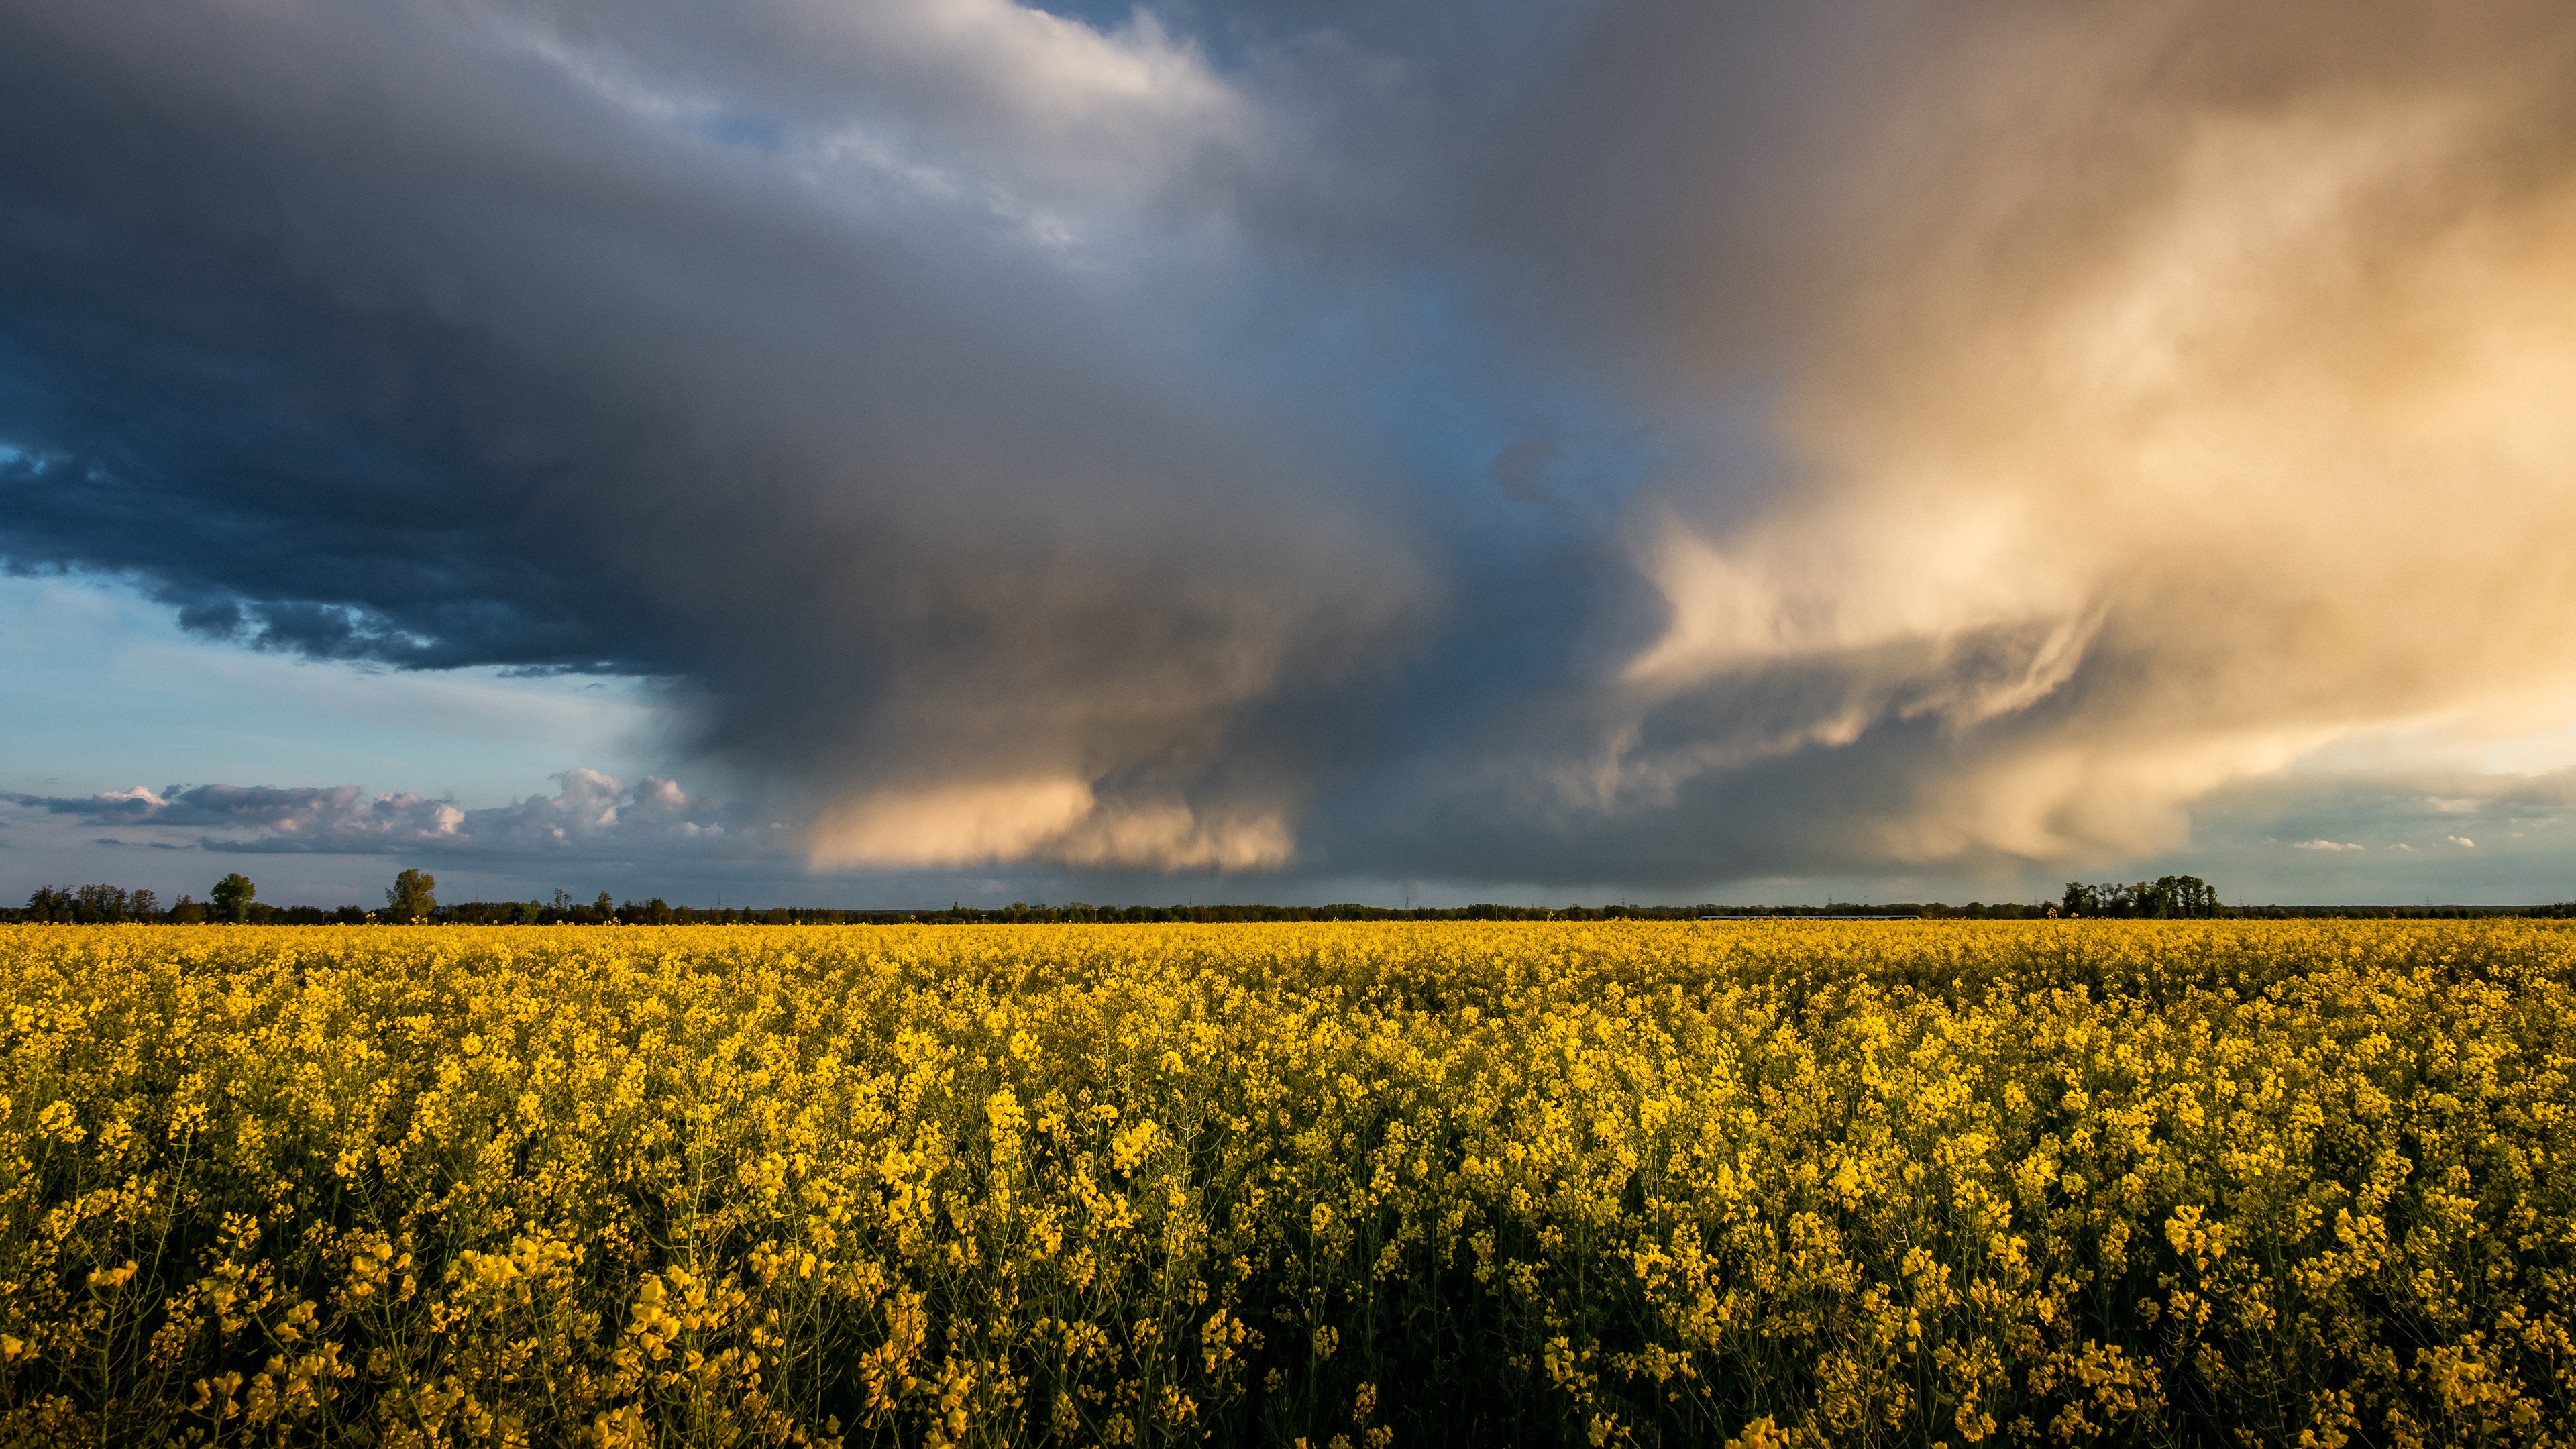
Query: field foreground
point(1361, 1185)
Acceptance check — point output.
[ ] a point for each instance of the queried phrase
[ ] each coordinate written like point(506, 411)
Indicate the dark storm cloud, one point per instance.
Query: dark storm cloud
point(1548, 443)
point(441, 336)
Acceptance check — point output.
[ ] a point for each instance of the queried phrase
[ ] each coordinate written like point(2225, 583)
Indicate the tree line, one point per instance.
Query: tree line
point(2164, 898)
point(413, 899)
point(229, 899)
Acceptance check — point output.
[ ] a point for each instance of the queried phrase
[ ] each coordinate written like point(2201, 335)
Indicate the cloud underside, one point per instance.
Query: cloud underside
point(1637, 442)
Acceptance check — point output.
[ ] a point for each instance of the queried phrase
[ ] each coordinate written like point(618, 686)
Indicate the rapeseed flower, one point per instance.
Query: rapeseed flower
point(1940, 1183)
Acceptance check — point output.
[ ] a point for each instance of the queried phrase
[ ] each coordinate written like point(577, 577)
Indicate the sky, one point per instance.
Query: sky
point(879, 454)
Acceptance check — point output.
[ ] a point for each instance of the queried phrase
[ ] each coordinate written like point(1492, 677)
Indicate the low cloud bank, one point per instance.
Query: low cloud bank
point(590, 815)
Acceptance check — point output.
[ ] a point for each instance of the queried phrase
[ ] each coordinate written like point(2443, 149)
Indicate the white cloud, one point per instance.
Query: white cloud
point(2331, 845)
point(1050, 125)
point(2461, 840)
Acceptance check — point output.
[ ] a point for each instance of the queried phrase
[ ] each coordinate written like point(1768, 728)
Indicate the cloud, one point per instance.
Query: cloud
point(1059, 818)
point(1961, 441)
point(882, 443)
point(2330, 845)
point(2462, 841)
point(2118, 370)
point(590, 814)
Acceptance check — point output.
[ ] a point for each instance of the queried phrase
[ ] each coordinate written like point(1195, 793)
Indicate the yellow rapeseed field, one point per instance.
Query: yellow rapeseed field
point(1346, 1185)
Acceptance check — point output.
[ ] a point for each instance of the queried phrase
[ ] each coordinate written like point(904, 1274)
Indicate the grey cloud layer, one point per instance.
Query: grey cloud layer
point(590, 814)
point(1585, 442)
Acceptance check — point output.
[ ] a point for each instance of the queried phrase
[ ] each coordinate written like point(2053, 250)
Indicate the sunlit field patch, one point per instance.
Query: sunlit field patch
point(1359, 1185)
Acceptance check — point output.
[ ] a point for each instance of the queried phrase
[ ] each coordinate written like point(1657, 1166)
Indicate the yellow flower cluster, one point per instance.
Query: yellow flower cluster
point(1339, 1186)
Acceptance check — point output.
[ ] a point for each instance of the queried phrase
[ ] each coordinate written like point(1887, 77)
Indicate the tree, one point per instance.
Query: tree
point(2185, 895)
point(231, 897)
point(2160, 899)
point(411, 898)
